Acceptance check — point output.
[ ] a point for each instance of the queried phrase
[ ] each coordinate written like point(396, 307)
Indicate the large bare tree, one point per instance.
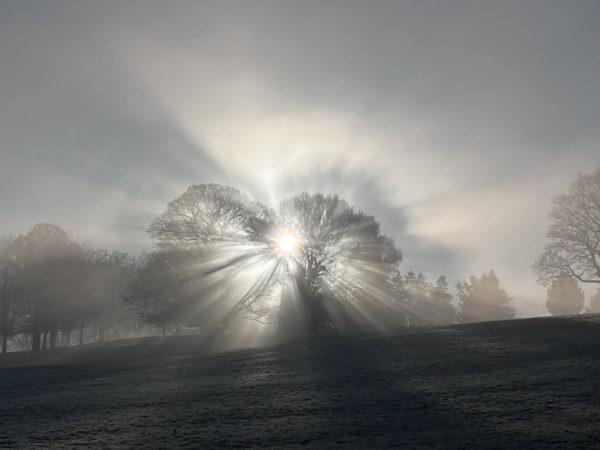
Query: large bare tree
point(341, 263)
point(574, 234)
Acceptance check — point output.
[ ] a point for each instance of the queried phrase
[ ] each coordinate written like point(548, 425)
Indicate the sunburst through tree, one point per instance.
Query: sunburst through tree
point(315, 264)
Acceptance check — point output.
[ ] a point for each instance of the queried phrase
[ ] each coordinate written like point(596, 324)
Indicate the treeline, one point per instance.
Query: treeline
point(54, 288)
point(310, 267)
point(58, 291)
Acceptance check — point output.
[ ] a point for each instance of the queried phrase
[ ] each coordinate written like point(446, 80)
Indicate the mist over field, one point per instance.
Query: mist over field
point(454, 125)
point(299, 224)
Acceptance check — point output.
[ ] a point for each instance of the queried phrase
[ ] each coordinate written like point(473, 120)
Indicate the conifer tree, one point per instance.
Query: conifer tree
point(594, 304)
point(483, 299)
point(443, 311)
point(564, 297)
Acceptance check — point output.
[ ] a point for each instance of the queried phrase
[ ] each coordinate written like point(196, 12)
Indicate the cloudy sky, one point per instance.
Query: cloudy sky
point(454, 123)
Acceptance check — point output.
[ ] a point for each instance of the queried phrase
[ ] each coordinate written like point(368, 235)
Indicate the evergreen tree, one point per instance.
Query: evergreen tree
point(564, 297)
point(418, 292)
point(428, 304)
point(594, 304)
point(443, 311)
point(483, 299)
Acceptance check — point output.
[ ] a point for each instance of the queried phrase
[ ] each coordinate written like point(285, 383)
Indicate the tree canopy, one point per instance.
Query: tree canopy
point(341, 256)
point(52, 284)
point(203, 213)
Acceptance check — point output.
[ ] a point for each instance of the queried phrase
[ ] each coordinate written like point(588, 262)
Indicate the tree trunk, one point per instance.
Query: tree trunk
point(313, 301)
point(4, 342)
point(45, 333)
point(164, 331)
point(81, 332)
point(178, 330)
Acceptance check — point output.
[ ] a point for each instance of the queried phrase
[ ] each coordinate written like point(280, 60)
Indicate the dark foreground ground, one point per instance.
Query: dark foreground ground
point(524, 384)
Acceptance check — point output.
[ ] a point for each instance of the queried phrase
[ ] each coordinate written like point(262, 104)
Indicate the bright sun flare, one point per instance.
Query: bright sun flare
point(287, 242)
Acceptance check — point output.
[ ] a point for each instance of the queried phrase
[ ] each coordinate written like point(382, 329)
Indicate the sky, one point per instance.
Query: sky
point(454, 123)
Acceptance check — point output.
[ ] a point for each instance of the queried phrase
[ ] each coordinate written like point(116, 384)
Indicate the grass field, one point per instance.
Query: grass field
point(529, 384)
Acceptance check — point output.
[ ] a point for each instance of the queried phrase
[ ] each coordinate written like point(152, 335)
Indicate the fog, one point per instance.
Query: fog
point(293, 223)
point(453, 125)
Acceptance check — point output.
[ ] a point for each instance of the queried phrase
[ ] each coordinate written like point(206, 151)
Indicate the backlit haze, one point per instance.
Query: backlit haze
point(453, 123)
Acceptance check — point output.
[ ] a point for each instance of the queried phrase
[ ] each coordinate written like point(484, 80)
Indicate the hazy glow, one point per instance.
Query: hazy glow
point(287, 242)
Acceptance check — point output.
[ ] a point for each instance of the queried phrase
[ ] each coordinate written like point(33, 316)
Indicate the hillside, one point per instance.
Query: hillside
point(531, 383)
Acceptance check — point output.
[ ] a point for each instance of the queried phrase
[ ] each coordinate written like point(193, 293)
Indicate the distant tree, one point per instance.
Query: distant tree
point(483, 299)
point(594, 304)
point(443, 311)
point(564, 297)
point(399, 295)
point(52, 259)
point(111, 272)
point(158, 289)
point(574, 234)
point(428, 304)
point(12, 289)
point(418, 296)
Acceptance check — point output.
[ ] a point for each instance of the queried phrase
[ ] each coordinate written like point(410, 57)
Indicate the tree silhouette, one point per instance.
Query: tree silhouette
point(203, 214)
point(564, 297)
point(418, 292)
point(51, 265)
point(109, 275)
point(12, 289)
point(483, 299)
point(574, 234)
point(341, 259)
point(216, 223)
point(425, 303)
point(594, 304)
point(157, 289)
point(443, 312)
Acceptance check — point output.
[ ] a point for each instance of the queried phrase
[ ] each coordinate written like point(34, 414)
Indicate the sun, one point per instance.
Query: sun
point(287, 242)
